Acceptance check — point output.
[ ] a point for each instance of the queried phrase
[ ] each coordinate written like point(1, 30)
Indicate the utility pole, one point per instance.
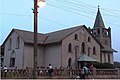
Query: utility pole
point(35, 39)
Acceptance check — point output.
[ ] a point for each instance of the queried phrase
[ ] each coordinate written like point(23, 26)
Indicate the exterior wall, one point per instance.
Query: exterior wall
point(28, 55)
point(18, 52)
point(82, 37)
point(105, 57)
point(53, 55)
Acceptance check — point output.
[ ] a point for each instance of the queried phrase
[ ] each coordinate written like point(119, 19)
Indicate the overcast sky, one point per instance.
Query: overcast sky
point(60, 14)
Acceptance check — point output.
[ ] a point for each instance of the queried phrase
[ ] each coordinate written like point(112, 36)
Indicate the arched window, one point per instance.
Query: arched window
point(101, 58)
point(89, 39)
point(94, 50)
point(89, 51)
point(76, 37)
point(108, 58)
point(70, 47)
point(17, 42)
point(10, 44)
point(83, 47)
point(98, 31)
point(12, 59)
point(69, 62)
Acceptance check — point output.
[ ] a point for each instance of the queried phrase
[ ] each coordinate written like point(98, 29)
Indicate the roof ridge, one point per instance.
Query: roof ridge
point(65, 29)
point(26, 31)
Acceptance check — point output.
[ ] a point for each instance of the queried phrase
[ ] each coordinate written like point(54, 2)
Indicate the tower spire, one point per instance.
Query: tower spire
point(98, 21)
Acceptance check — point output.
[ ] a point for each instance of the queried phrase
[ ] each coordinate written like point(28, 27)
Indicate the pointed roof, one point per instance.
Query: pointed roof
point(98, 21)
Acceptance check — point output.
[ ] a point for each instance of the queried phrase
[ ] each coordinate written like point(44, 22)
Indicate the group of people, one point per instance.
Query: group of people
point(85, 71)
point(49, 70)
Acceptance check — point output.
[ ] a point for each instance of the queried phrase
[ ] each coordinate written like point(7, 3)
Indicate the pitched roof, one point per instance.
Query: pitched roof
point(86, 58)
point(99, 21)
point(60, 35)
point(52, 37)
point(28, 36)
point(107, 49)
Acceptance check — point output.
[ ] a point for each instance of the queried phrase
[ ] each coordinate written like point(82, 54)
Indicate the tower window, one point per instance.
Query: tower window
point(106, 42)
point(98, 31)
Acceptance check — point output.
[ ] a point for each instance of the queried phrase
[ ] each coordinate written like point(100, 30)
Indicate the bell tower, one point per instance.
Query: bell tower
point(102, 34)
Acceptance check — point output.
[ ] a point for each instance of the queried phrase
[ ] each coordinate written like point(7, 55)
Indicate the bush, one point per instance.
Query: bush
point(103, 66)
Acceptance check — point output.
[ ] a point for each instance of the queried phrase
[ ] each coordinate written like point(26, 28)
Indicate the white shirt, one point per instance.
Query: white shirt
point(5, 68)
point(50, 67)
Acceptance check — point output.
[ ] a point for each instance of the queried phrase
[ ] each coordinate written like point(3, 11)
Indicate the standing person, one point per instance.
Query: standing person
point(50, 70)
point(91, 69)
point(5, 70)
point(84, 72)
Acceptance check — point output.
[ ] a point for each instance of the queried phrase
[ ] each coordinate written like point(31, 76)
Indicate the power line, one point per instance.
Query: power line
point(68, 10)
point(84, 7)
point(31, 16)
point(84, 10)
point(76, 5)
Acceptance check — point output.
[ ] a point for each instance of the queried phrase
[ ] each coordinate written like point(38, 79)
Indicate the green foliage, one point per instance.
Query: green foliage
point(117, 64)
point(103, 65)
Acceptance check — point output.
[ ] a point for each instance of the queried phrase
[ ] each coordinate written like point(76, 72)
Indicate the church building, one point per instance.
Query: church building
point(64, 48)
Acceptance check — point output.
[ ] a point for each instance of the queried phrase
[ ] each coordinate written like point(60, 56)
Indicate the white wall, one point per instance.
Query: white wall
point(28, 55)
point(53, 55)
point(18, 52)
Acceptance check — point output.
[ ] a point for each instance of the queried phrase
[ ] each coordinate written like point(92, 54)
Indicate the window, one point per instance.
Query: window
point(83, 47)
point(108, 58)
point(89, 39)
point(69, 62)
point(98, 31)
point(89, 51)
point(104, 58)
point(76, 37)
point(10, 44)
point(94, 50)
point(101, 58)
point(12, 59)
point(76, 52)
point(17, 42)
point(69, 47)
point(106, 42)
point(12, 62)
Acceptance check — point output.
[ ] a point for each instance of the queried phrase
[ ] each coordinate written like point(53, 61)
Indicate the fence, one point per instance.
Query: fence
point(59, 73)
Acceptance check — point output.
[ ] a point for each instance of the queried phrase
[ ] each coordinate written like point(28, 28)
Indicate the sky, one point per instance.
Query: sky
point(60, 14)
